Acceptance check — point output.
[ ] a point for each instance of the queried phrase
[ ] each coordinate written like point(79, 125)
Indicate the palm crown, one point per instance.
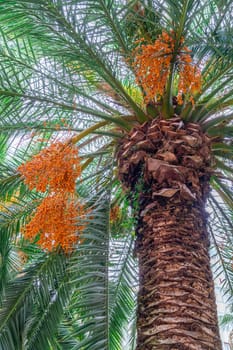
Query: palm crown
point(87, 71)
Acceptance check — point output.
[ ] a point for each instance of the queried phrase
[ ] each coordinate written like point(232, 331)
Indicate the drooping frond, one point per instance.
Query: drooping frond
point(123, 291)
point(34, 301)
point(221, 229)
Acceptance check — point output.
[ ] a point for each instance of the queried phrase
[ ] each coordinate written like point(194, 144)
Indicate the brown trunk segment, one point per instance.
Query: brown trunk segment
point(177, 307)
point(166, 166)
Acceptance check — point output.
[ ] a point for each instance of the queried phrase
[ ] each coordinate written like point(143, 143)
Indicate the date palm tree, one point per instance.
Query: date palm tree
point(144, 89)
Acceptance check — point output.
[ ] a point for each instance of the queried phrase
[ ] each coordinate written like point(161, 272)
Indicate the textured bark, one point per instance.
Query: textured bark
point(177, 307)
point(166, 165)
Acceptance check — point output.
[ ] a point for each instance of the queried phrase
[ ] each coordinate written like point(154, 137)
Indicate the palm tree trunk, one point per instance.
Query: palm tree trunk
point(165, 167)
point(177, 308)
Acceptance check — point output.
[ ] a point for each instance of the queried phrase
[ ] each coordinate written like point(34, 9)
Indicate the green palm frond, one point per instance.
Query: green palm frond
point(42, 327)
point(221, 228)
point(89, 54)
point(103, 271)
point(123, 292)
point(10, 261)
point(90, 302)
point(226, 320)
point(36, 292)
point(223, 190)
point(70, 42)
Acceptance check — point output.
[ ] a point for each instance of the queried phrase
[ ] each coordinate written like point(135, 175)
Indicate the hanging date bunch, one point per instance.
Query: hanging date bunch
point(153, 64)
point(55, 168)
point(56, 220)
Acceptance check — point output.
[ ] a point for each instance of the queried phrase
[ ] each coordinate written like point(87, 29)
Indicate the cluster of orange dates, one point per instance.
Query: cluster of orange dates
point(152, 64)
point(55, 220)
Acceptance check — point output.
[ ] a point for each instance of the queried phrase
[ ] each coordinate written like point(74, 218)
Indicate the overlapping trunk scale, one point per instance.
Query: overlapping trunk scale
point(166, 166)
